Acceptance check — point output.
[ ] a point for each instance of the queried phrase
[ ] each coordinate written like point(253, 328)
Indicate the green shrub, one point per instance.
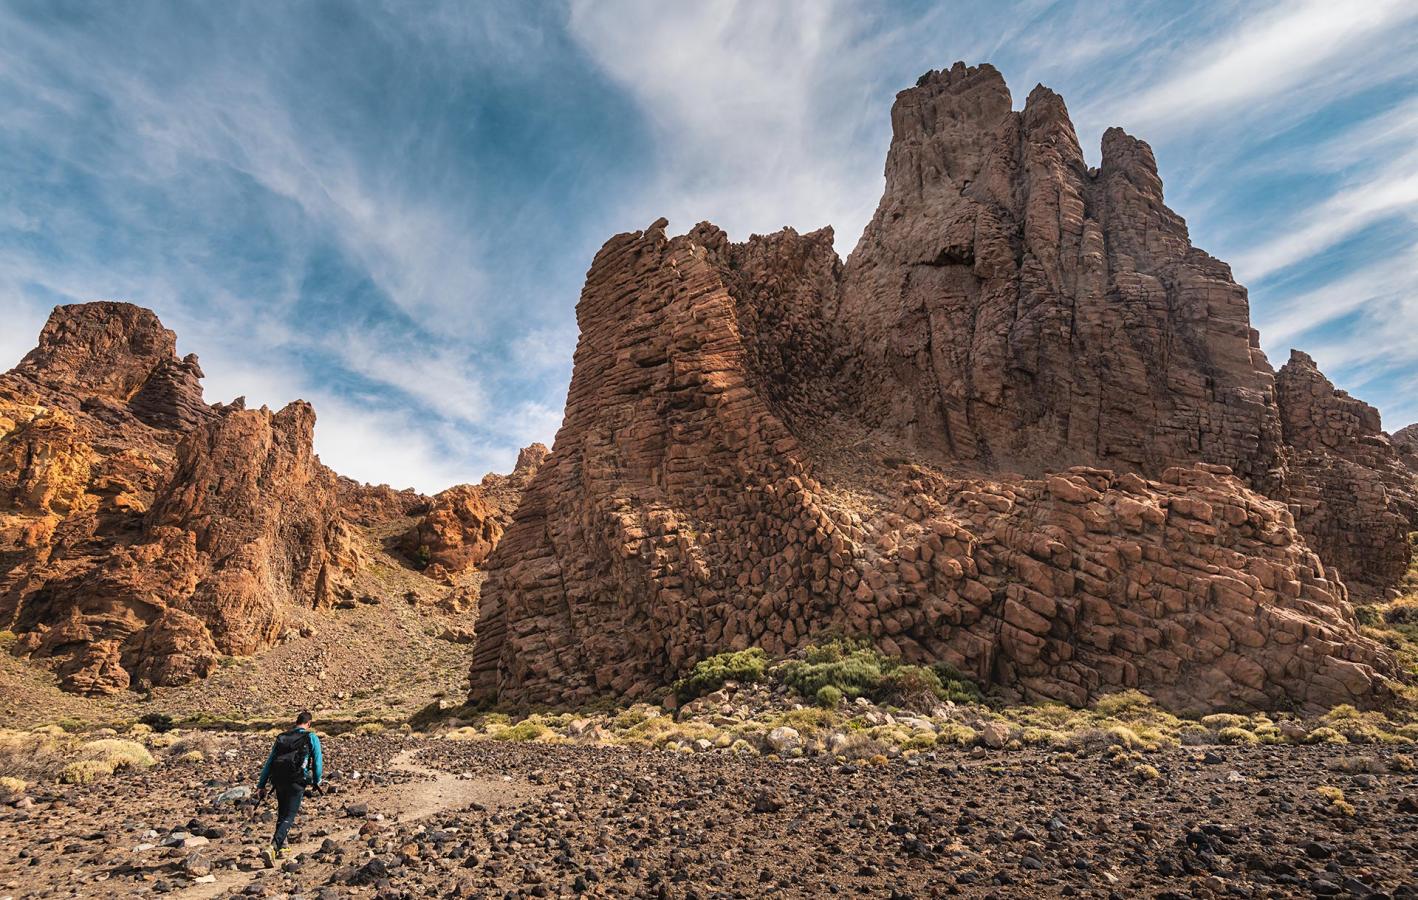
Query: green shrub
point(708, 675)
point(910, 686)
point(850, 667)
point(955, 687)
point(526, 730)
point(856, 669)
point(828, 697)
point(1234, 734)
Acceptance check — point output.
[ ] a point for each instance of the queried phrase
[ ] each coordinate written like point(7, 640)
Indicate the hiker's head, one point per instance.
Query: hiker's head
point(303, 719)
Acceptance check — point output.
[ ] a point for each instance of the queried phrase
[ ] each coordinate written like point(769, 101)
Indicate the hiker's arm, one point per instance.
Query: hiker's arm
point(317, 759)
point(266, 769)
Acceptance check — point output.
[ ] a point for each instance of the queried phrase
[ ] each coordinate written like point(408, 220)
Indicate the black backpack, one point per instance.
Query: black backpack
point(288, 764)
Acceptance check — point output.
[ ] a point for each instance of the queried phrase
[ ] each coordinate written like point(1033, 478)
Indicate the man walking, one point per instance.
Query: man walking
point(293, 765)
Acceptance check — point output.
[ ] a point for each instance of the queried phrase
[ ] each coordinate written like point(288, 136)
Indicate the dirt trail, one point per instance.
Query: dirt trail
point(440, 792)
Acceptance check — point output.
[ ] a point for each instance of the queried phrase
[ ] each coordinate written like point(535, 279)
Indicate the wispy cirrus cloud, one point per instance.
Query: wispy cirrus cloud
point(388, 210)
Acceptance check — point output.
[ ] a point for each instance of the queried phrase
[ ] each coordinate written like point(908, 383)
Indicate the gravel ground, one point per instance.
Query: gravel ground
point(552, 820)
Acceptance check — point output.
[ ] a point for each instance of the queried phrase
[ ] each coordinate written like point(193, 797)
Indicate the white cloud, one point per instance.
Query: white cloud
point(753, 107)
point(385, 446)
point(1388, 191)
point(22, 323)
point(1289, 47)
point(1383, 284)
point(440, 379)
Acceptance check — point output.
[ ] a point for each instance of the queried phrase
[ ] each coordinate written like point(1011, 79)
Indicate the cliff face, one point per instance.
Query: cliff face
point(1012, 308)
point(1026, 429)
point(145, 532)
point(1353, 493)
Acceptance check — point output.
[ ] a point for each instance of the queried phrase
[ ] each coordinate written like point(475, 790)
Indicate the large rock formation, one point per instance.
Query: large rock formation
point(1353, 493)
point(1002, 435)
point(143, 533)
point(463, 524)
point(1013, 308)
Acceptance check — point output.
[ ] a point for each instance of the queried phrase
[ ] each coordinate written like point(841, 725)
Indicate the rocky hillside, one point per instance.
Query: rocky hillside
point(1025, 429)
point(145, 534)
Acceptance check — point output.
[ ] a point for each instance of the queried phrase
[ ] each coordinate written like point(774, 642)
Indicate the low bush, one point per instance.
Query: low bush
point(117, 753)
point(203, 742)
point(1234, 734)
point(856, 669)
point(1335, 800)
point(525, 730)
point(708, 675)
point(159, 722)
point(85, 771)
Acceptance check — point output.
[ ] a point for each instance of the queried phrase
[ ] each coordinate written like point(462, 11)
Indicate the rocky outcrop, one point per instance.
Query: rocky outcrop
point(1352, 492)
point(464, 523)
point(146, 533)
point(1011, 307)
point(1026, 430)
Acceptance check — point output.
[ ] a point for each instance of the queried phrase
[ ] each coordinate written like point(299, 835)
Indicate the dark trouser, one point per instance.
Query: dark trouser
point(287, 805)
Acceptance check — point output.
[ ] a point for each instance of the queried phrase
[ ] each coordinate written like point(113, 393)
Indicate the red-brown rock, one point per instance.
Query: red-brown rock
point(146, 533)
point(1353, 494)
point(464, 523)
point(1002, 435)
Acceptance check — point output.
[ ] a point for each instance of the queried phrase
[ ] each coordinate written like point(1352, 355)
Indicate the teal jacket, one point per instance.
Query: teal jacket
point(315, 762)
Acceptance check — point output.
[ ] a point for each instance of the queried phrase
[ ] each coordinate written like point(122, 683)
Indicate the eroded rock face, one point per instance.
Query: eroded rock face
point(146, 533)
point(1013, 308)
point(1003, 436)
point(1353, 493)
point(464, 523)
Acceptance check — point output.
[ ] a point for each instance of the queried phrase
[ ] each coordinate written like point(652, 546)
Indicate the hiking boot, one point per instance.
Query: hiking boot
point(285, 853)
point(268, 856)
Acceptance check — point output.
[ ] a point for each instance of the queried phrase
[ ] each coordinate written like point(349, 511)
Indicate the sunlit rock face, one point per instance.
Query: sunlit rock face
point(143, 532)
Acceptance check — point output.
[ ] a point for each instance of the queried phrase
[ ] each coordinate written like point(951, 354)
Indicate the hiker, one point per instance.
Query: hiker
point(294, 764)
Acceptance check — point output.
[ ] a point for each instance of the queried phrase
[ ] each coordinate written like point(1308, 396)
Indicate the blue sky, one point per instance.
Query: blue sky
point(388, 209)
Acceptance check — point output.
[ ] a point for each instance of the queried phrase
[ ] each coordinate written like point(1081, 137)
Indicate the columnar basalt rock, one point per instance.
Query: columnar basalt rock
point(1013, 308)
point(1353, 493)
point(1026, 430)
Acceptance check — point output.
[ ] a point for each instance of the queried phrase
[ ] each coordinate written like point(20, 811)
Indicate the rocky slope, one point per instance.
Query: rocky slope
point(145, 534)
point(1025, 429)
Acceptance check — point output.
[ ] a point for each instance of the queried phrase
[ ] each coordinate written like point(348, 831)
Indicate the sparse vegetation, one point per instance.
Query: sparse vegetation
point(828, 697)
point(708, 675)
point(526, 730)
point(1335, 800)
point(855, 669)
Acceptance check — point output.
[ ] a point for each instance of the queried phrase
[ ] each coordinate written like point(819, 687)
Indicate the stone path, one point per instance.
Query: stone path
point(438, 792)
